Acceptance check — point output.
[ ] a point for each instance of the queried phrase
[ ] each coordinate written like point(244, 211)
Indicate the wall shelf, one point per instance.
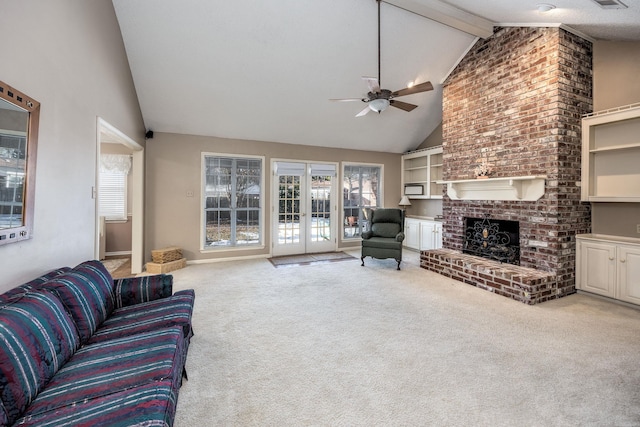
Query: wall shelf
point(611, 155)
point(615, 147)
point(421, 169)
point(523, 188)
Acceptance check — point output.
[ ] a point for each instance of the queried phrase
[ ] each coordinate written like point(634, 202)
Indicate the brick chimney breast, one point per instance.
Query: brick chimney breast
point(516, 101)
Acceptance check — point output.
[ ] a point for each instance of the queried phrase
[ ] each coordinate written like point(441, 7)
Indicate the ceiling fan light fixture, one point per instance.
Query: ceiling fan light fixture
point(544, 7)
point(379, 105)
point(379, 99)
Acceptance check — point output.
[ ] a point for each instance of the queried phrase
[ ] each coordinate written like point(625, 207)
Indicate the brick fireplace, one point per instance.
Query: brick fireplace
point(515, 102)
point(498, 240)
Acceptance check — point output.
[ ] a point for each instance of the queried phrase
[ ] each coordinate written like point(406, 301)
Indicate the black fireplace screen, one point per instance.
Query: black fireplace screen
point(494, 239)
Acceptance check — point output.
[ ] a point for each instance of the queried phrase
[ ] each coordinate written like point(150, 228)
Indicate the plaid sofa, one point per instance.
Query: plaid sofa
point(80, 349)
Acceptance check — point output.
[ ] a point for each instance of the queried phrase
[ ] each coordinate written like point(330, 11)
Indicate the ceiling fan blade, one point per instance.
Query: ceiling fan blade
point(372, 83)
point(363, 112)
point(422, 87)
point(402, 105)
point(346, 99)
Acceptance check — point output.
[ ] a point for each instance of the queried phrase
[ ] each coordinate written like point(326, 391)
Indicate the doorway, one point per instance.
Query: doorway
point(304, 207)
point(108, 134)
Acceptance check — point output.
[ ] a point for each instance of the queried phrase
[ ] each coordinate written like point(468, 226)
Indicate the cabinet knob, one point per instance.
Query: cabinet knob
point(622, 260)
point(610, 258)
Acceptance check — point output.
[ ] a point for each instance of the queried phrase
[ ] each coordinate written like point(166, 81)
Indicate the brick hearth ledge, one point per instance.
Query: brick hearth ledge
point(523, 284)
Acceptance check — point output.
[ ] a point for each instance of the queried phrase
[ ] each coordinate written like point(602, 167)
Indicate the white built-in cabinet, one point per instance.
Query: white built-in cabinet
point(422, 234)
point(430, 235)
point(411, 233)
point(609, 266)
point(611, 155)
point(420, 171)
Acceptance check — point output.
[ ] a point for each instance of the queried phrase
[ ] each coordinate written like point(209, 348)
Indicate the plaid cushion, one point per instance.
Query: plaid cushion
point(97, 370)
point(134, 290)
point(34, 284)
point(4, 419)
point(148, 316)
point(87, 293)
point(149, 405)
point(37, 337)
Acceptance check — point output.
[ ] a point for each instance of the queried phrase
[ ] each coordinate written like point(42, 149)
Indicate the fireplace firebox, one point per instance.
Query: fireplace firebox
point(492, 238)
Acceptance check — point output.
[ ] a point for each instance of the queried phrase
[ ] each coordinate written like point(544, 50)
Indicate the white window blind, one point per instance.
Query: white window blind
point(113, 195)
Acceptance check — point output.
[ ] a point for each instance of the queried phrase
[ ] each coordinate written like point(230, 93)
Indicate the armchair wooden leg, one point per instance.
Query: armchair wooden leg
point(362, 259)
point(398, 263)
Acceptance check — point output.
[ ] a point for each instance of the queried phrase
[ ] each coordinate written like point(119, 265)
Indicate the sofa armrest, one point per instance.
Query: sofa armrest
point(367, 234)
point(400, 237)
point(134, 290)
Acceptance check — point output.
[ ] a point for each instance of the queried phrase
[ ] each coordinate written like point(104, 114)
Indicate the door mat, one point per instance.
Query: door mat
point(309, 259)
point(113, 264)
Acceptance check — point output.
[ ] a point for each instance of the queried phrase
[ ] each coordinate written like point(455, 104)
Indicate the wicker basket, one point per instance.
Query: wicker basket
point(161, 256)
point(166, 267)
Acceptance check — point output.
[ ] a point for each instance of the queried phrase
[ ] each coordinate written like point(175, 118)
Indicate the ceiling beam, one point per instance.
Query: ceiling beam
point(448, 15)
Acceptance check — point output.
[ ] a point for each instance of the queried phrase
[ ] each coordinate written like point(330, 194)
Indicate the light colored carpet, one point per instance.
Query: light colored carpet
point(338, 344)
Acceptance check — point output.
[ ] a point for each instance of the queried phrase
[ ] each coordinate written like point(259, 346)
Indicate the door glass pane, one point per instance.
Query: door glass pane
point(289, 210)
point(320, 208)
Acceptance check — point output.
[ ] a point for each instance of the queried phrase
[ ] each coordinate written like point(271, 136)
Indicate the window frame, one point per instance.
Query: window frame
point(203, 203)
point(342, 204)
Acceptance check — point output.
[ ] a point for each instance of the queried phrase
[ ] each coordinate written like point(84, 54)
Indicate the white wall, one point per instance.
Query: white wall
point(69, 56)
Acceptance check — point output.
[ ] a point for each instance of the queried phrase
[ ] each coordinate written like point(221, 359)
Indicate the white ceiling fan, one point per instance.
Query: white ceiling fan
point(379, 99)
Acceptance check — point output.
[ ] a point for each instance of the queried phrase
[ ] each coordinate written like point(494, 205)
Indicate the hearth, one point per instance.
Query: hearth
point(493, 239)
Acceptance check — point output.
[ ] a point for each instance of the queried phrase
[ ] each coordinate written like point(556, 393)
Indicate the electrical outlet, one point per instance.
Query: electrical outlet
point(189, 193)
point(637, 228)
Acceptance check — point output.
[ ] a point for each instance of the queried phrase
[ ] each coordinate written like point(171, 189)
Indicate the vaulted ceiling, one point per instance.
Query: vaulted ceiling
point(265, 70)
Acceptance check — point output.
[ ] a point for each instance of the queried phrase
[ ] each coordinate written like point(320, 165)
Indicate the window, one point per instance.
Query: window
point(361, 188)
point(112, 193)
point(232, 201)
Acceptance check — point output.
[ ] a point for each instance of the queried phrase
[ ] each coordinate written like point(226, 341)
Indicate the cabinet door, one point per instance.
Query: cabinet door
point(411, 234)
point(437, 236)
point(629, 273)
point(597, 268)
point(427, 233)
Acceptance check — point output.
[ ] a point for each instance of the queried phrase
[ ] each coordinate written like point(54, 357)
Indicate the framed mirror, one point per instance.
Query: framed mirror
point(19, 116)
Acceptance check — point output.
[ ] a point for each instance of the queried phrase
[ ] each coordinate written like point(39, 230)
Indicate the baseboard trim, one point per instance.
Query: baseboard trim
point(117, 253)
point(235, 258)
point(613, 300)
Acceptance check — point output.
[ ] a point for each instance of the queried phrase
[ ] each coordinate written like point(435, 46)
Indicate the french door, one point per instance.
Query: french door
point(303, 208)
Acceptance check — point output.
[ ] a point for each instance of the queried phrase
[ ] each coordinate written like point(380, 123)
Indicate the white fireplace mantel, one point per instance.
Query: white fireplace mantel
point(523, 188)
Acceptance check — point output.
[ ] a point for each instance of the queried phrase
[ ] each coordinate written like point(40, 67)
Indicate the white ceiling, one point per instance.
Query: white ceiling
point(257, 70)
